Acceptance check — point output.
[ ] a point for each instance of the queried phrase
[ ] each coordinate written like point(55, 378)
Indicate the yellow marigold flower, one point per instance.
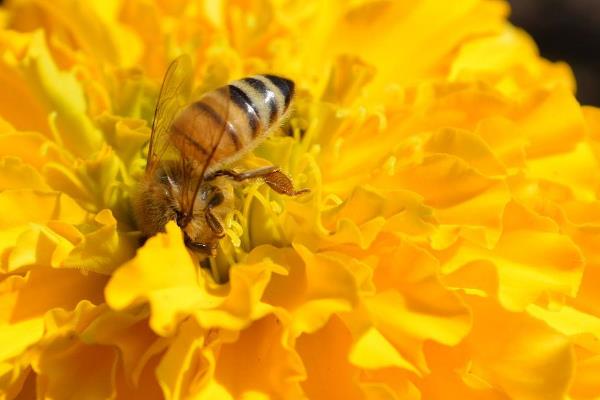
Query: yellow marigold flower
point(449, 249)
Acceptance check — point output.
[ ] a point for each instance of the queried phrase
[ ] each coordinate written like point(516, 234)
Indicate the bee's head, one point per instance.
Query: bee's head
point(204, 227)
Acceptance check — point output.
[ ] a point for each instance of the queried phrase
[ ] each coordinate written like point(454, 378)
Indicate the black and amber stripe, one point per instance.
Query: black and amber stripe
point(233, 118)
point(218, 119)
point(285, 86)
point(243, 102)
point(270, 95)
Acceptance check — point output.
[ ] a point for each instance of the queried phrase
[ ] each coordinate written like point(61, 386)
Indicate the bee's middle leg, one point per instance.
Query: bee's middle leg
point(277, 180)
point(242, 176)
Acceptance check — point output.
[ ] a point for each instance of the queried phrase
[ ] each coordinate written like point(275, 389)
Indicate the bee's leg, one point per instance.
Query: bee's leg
point(277, 180)
point(281, 183)
point(203, 248)
point(213, 223)
point(242, 176)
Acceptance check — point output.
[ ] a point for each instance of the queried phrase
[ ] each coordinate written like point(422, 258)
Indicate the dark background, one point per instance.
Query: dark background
point(566, 30)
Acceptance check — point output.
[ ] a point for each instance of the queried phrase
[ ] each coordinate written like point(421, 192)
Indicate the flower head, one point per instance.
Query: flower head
point(448, 247)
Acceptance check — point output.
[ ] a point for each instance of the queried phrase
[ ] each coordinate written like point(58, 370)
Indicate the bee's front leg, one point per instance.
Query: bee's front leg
point(202, 248)
point(216, 198)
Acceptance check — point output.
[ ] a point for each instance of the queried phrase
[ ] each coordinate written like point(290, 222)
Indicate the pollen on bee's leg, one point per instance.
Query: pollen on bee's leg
point(281, 183)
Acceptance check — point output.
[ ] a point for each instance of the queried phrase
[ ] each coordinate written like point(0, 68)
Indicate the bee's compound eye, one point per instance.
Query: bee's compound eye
point(216, 199)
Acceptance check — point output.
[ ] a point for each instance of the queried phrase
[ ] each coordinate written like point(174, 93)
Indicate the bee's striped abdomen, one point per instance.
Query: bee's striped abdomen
point(265, 96)
point(243, 112)
point(244, 103)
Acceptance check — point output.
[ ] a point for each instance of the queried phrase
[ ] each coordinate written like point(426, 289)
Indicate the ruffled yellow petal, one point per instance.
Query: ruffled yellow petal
point(526, 359)
point(31, 297)
point(31, 148)
point(531, 259)
point(69, 363)
point(585, 384)
point(64, 359)
point(20, 336)
point(324, 354)
point(176, 370)
point(17, 381)
point(330, 288)
point(14, 174)
point(64, 96)
point(129, 334)
point(26, 303)
point(59, 235)
point(510, 62)
point(23, 108)
point(93, 29)
point(162, 274)
point(262, 360)
point(159, 277)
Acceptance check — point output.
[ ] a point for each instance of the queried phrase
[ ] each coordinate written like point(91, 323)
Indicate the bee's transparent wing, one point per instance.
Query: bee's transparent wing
point(214, 125)
point(174, 95)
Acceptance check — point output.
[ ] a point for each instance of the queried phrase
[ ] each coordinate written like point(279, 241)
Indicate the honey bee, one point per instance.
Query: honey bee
point(191, 144)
